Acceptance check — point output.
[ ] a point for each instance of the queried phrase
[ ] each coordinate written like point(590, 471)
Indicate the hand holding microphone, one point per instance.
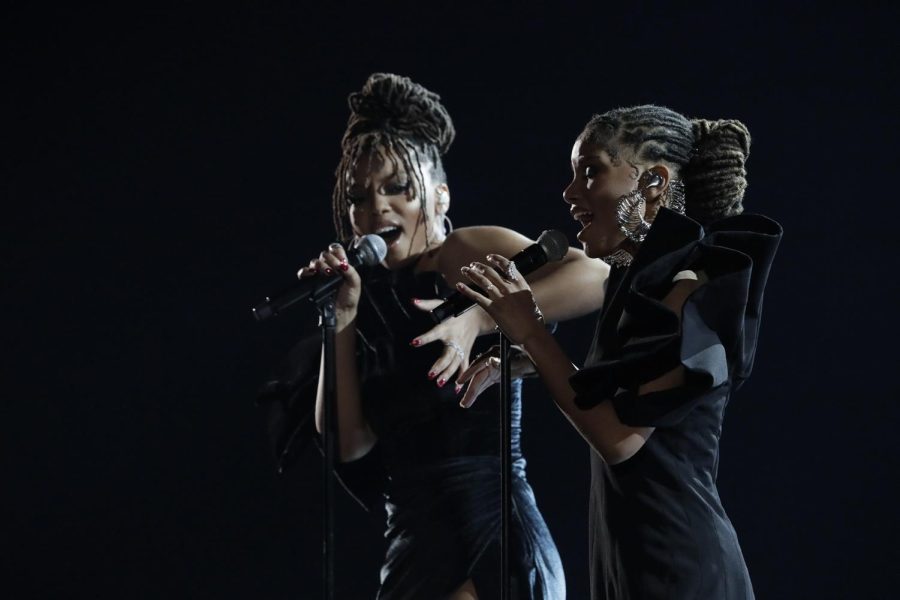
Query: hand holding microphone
point(334, 267)
point(551, 246)
point(509, 300)
point(333, 263)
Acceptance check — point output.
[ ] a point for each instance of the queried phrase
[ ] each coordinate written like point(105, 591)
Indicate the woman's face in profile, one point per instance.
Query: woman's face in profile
point(384, 200)
point(599, 179)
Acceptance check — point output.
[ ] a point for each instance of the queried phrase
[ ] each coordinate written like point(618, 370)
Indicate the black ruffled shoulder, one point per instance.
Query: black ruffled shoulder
point(716, 338)
point(288, 397)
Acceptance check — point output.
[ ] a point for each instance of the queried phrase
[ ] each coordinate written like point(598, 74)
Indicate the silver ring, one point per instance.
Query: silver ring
point(490, 287)
point(510, 273)
point(456, 348)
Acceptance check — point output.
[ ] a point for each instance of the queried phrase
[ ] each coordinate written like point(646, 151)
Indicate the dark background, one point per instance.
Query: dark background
point(166, 169)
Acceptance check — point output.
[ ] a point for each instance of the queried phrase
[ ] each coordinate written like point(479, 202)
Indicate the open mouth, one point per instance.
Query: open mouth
point(583, 217)
point(390, 233)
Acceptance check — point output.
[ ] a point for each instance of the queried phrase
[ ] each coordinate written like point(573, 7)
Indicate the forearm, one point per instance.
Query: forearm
point(354, 433)
point(599, 426)
point(570, 289)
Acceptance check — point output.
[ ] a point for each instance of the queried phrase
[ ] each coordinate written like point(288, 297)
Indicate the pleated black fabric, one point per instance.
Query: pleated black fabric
point(660, 508)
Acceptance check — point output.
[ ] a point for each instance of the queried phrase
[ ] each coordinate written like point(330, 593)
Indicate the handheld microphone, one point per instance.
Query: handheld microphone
point(369, 250)
point(551, 246)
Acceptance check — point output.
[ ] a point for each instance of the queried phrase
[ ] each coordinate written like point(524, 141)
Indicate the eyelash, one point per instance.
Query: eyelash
point(590, 172)
point(394, 189)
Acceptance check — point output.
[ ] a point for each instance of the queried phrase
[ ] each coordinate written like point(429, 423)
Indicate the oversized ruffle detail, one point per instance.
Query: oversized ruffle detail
point(716, 338)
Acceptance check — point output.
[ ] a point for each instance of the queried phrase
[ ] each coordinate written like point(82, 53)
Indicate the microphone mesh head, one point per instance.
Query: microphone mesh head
point(372, 249)
point(554, 243)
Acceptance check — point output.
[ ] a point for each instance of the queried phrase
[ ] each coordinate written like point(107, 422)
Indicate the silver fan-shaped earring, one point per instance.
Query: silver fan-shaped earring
point(630, 216)
point(632, 207)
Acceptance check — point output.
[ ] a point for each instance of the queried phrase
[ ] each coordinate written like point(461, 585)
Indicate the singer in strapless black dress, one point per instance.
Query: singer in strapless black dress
point(436, 466)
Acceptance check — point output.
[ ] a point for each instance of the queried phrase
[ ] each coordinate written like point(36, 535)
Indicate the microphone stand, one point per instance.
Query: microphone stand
point(505, 466)
point(328, 322)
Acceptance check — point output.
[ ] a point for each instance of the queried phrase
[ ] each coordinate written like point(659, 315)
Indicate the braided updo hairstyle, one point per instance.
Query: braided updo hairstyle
point(709, 156)
point(398, 120)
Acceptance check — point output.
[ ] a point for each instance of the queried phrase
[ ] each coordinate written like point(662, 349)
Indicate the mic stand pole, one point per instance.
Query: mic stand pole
point(505, 466)
point(328, 322)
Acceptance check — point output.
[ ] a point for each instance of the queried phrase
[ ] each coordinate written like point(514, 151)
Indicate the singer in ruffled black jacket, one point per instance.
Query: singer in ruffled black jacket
point(676, 338)
point(404, 438)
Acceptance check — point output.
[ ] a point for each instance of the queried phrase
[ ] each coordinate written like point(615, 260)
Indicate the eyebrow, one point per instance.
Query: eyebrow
point(584, 158)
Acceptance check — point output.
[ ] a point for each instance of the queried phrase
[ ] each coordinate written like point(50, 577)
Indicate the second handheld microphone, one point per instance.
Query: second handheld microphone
point(552, 245)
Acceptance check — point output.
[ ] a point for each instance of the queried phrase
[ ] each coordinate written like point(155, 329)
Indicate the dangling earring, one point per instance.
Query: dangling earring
point(674, 196)
point(630, 216)
point(448, 226)
point(632, 207)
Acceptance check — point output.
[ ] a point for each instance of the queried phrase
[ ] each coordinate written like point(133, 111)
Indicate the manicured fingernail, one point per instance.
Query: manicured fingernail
point(441, 382)
point(458, 388)
point(492, 257)
point(415, 343)
point(465, 269)
point(459, 285)
point(328, 271)
point(432, 375)
point(344, 266)
point(415, 300)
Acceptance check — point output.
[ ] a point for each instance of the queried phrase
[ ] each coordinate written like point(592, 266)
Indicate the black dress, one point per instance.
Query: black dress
point(657, 517)
point(435, 466)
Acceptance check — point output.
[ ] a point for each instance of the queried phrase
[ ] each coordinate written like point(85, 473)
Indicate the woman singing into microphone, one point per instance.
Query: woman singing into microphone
point(660, 199)
point(404, 438)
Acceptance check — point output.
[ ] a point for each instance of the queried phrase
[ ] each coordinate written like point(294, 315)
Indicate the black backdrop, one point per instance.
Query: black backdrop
point(167, 168)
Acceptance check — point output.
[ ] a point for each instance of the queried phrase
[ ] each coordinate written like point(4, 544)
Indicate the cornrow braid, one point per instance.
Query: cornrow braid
point(392, 118)
point(708, 156)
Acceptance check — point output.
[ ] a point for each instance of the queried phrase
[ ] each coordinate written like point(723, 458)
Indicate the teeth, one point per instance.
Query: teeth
point(387, 229)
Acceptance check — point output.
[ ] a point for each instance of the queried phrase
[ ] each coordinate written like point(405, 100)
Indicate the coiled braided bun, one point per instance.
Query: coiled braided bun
point(400, 107)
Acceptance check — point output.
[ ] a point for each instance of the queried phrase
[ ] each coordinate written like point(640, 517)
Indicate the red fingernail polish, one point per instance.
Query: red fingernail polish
point(441, 382)
point(432, 375)
point(415, 343)
point(344, 266)
point(416, 300)
point(458, 388)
